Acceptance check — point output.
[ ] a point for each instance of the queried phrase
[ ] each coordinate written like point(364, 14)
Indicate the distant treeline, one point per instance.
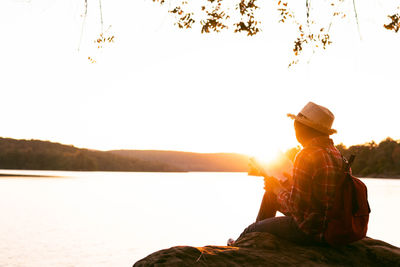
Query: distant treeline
point(375, 160)
point(372, 160)
point(43, 155)
point(189, 161)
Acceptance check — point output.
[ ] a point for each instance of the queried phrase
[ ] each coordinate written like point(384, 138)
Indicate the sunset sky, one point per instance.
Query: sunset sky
point(158, 87)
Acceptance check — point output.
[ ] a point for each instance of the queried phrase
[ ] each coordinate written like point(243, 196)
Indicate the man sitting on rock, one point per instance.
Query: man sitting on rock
point(310, 192)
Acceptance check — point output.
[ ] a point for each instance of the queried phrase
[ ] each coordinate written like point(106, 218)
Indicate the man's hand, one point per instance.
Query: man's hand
point(272, 184)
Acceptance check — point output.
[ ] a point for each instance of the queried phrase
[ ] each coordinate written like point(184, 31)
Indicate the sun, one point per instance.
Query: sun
point(269, 151)
point(266, 156)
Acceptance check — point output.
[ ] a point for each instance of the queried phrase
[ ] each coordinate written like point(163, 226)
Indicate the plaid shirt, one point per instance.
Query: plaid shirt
point(310, 195)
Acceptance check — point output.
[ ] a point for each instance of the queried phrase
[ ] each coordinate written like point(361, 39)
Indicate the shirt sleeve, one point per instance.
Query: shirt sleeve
point(296, 200)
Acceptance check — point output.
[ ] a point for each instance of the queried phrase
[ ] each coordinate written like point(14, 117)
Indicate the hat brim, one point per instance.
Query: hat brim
point(311, 124)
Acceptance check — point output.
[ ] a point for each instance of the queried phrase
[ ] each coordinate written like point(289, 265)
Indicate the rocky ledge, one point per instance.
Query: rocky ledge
point(262, 249)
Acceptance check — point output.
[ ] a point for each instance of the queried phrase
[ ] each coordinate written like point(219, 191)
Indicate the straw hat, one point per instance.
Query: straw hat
point(317, 117)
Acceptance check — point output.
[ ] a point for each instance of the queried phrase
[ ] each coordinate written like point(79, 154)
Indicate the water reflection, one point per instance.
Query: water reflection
point(114, 219)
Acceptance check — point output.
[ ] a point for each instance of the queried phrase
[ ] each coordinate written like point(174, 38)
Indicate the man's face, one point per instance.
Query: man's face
point(305, 133)
point(296, 131)
point(299, 131)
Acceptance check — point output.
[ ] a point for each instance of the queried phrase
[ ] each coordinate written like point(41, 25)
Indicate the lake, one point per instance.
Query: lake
point(115, 219)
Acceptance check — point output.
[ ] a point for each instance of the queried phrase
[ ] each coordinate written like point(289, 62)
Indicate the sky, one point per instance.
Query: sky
point(158, 87)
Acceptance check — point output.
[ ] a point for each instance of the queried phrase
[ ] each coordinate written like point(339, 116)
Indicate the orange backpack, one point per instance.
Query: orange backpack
point(349, 215)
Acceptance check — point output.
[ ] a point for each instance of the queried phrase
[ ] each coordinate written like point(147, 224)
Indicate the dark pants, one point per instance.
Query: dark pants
point(283, 226)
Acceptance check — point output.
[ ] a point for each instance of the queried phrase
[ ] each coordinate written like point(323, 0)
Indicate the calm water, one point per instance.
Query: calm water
point(115, 219)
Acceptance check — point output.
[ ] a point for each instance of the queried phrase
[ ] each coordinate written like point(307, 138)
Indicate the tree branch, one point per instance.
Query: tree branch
point(83, 24)
point(355, 13)
point(101, 17)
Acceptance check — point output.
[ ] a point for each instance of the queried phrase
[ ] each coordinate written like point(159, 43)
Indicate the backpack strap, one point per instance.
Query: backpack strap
point(349, 179)
point(348, 163)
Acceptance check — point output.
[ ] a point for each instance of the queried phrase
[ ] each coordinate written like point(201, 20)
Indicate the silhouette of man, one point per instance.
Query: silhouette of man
point(310, 192)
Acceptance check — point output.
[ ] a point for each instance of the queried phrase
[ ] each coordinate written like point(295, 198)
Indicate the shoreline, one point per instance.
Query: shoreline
point(381, 176)
point(17, 175)
point(11, 175)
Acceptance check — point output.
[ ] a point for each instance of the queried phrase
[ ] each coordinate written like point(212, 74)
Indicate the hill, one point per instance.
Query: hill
point(44, 155)
point(375, 160)
point(189, 161)
point(372, 160)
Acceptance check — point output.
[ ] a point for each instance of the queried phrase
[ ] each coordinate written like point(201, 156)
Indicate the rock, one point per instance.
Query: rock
point(263, 249)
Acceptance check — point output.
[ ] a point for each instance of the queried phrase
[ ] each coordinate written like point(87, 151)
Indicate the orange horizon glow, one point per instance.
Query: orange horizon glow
point(266, 154)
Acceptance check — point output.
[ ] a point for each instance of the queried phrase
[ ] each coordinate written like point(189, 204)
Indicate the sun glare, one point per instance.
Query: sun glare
point(267, 155)
point(271, 151)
